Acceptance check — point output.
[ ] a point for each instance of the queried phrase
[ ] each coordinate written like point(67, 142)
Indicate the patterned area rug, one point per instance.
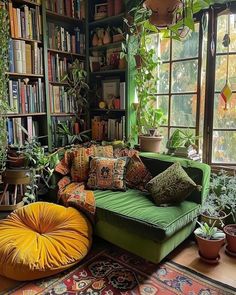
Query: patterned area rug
point(114, 271)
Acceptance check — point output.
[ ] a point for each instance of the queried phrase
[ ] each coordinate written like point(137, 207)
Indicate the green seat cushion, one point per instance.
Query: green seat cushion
point(135, 211)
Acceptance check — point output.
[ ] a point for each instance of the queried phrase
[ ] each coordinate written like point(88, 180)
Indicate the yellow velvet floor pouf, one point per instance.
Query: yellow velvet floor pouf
point(42, 239)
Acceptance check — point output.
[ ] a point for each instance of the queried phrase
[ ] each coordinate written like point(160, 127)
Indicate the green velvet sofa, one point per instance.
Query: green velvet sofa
point(133, 222)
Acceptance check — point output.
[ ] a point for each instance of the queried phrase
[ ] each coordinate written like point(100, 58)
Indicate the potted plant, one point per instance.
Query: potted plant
point(210, 239)
point(78, 90)
point(137, 47)
point(230, 231)
point(220, 202)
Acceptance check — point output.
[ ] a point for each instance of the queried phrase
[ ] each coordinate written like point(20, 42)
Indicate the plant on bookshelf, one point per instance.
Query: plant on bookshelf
point(4, 107)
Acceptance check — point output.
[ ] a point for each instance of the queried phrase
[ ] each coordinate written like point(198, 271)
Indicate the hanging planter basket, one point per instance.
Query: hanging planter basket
point(164, 13)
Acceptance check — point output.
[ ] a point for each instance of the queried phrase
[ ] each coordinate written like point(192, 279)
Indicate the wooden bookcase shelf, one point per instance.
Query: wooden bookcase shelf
point(108, 72)
point(108, 20)
point(105, 46)
point(64, 18)
point(65, 53)
point(26, 115)
point(24, 75)
point(62, 114)
point(58, 83)
point(27, 2)
point(108, 110)
point(27, 40)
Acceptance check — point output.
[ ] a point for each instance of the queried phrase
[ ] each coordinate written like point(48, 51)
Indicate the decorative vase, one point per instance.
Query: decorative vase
point(95, 40)
point(110, 7)
point(163, 12)
point(107, 37)
point(209, 249)
point(150, 143)
point(230, 231)
point(118, 7)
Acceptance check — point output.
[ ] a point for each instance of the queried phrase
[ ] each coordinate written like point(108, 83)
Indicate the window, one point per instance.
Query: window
point(180, 91)
point(224, 120)
point(191, 78)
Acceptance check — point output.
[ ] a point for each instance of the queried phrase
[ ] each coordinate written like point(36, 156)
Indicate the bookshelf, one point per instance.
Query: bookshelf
point(26, 72)
point(37, 95)
point(107, 73)
point(65, 21)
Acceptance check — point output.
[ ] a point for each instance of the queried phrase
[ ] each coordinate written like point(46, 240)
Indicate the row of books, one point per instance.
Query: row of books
point(25, 57)
point(25, 22)
point(60, 102)
point(69, 41)
point(26, 98)
point(58, 67)
point(185, 152)
point(108, 129)
point(15, 134)
point(72, 8)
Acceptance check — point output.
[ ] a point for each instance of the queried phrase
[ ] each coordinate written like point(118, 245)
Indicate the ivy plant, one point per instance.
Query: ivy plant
point(4, 107)
point(137, 44)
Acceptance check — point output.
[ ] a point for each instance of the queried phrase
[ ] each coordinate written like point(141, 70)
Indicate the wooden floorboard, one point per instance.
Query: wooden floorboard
point(224, 271)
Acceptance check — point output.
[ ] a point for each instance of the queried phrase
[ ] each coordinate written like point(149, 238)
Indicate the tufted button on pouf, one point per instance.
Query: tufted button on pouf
point(42, 239)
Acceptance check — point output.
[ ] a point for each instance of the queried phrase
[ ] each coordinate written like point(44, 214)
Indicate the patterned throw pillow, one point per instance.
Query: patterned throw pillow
point(72, 188)
point(171, 186)
point(76, 161)
point(137, 175)
point(83, 201)
point(107, 173)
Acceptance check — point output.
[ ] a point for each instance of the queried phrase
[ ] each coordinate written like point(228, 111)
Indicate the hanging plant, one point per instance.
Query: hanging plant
point(4, 107)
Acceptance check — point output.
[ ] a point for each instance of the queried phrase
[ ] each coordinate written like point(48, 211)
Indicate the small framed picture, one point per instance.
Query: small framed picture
point(110, 90)
point(101, 11)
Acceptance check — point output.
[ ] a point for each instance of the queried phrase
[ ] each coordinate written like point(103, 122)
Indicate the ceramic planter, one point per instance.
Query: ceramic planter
point(15, 159)
point(217, 221)
point(150, 143)
point(164, 12)
point(230, 231)
point(209, 249)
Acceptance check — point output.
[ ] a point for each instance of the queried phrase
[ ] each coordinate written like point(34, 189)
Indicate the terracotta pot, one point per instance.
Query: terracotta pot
point(164, 12)
point(150, 143)
point(16, 160)
point(95, 40)
point(107, 37)
point(217, 221)
point(209, 249)
point(230, 231)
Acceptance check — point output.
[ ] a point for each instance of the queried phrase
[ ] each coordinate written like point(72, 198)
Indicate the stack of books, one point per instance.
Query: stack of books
point(185, 152)
point(71, 8)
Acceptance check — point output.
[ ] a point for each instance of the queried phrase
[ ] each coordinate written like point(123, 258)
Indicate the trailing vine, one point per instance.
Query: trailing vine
point(4, 107)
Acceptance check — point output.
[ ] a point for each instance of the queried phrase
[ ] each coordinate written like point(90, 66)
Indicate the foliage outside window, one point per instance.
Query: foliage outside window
point(224, 121)
point(180, 88)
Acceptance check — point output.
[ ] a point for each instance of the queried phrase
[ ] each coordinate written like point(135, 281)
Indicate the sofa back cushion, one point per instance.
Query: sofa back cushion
point(198, 172)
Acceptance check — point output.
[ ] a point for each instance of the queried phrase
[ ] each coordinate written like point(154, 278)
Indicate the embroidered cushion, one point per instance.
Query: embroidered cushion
point(76, 161)
point(171, 186)
point(137, 175)
point(107, 173)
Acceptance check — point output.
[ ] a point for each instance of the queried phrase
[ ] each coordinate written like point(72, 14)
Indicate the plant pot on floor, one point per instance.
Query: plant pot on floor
point(230, 231)
point(150, 143)
point(209, 249)
point(218, 221)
